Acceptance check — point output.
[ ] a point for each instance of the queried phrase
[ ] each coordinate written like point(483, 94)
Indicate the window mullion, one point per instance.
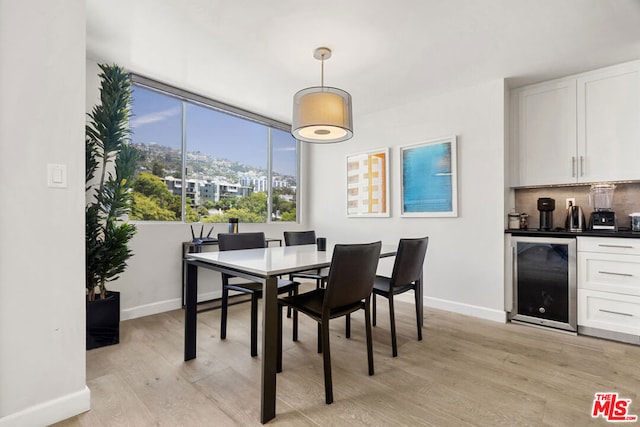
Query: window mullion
point(184, 162)
point(269, 176)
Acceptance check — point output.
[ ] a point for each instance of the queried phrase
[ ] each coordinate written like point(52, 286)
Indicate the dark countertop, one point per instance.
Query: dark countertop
point(560, 232)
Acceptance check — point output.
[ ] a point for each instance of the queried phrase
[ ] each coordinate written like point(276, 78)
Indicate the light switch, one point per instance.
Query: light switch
point(57, 175)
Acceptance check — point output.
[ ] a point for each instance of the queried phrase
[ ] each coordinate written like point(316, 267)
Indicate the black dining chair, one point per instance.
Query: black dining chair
point(235, 241)
point(406, 276)
point(349, 286)
point(295, 238)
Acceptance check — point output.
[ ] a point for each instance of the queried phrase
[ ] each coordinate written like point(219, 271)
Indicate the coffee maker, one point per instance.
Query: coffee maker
point(546, 207)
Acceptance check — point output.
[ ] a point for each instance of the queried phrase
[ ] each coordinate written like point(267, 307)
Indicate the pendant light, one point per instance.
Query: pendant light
point(322, 114)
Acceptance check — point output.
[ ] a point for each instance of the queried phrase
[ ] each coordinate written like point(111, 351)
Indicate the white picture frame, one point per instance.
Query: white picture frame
point(368, 184)
point(429, 178)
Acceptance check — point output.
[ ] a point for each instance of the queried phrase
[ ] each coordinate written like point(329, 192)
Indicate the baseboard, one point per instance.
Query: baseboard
point(609, 335)
point(455, 307)
point(466, 309)
point(52, 411)
point(162, 306)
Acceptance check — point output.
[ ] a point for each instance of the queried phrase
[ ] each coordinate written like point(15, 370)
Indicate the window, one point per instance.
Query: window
point(284, 158)
point(203, 161)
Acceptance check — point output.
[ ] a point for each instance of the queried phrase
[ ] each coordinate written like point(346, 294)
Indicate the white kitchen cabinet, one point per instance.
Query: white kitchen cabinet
point(580, 129)
point(608, 312)
point(547, 133)
point(609, 288)
point(608, 120)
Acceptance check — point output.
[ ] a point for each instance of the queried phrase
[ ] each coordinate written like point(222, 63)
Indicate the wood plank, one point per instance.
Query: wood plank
point(465, 372)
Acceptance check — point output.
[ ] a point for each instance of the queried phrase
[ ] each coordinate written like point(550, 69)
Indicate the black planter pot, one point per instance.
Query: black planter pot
point(103, 321)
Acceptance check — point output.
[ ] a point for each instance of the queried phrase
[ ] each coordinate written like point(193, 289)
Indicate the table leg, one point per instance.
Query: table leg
point(191, 312)
point(269, 348)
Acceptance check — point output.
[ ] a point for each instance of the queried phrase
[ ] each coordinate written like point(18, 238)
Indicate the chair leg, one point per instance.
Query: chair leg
point(223, 313)
point(326, 357)
point(392, 325)
point(295, 326)
point(418, 311)
point(295, 319)
point(319, 338)
point(254, 324)
point(373, 297)
point(279, 362)
point(289, 308)
point(367, 324)
point(347, 325)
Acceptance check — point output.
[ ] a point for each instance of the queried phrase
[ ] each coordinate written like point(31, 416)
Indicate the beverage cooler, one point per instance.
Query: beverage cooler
point(544, 281)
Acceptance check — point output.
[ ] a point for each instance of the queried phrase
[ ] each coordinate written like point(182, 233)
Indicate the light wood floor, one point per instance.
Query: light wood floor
point(466, 372)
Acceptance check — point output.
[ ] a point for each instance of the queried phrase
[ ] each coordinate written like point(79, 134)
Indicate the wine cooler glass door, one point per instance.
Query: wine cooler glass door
point(545, 281)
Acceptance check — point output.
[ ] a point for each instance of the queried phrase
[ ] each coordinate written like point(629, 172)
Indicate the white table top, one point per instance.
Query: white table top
point(276, 260)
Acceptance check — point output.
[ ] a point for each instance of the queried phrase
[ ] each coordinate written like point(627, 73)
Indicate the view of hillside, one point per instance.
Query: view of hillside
point(217, 189)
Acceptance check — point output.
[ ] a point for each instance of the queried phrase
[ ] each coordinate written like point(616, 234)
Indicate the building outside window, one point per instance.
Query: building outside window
point(203, 161)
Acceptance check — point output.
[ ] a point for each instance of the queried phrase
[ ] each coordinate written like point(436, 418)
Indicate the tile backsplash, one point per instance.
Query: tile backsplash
point(626, 200)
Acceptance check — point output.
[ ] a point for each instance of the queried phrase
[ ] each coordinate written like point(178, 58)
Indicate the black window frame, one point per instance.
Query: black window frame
point(195, 98)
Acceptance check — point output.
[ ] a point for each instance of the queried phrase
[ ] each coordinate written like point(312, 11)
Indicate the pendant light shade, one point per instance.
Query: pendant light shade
point(322, 114)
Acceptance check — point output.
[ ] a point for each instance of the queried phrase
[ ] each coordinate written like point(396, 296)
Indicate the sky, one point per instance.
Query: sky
point(157, 119)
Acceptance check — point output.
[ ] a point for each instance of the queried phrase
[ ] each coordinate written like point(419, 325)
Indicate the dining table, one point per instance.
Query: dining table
point(263, 265)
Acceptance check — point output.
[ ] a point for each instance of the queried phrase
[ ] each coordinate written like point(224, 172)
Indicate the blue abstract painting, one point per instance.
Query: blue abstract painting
point(429, 179)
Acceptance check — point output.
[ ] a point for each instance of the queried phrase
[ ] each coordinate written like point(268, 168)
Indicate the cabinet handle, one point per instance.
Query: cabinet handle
point(616, 312)
point(615, 246)
point(615, 274)
point(573, 166)
point(581, 165)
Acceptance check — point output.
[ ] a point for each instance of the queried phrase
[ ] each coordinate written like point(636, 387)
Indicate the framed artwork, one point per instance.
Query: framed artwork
point(429, 179)
point(368, 184)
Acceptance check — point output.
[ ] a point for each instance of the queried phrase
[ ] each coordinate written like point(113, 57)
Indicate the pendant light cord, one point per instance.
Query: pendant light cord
point(322, 72)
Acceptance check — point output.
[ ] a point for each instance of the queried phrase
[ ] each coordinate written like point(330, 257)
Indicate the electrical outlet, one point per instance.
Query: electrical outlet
point(568, 200)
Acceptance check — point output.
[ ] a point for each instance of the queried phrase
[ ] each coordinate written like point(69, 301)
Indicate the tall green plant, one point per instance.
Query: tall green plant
point(109, 154)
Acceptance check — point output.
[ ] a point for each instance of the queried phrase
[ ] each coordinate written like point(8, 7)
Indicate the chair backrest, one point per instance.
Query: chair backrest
point(352, 272)
point(407, 267)
point(234, 241)
point(295, 238)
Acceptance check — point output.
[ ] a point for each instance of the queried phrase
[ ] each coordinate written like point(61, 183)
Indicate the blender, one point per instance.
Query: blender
point(601, 200)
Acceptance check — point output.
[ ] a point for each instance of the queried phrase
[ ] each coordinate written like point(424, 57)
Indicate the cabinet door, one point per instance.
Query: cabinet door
point(609, 273)
point(609, 124)
point(547, 133)
point(609, 312)
point(609, 245)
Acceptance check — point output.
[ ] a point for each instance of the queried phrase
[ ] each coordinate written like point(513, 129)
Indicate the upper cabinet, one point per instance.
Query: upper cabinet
point(579, 129)
point(609, 124)
point(547, 133)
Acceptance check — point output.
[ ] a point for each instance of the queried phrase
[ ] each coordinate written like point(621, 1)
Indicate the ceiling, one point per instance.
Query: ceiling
point(256, 54)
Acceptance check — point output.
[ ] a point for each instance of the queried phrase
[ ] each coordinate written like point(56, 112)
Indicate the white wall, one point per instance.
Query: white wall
point(42, 302)
point(152, 282)
point(464, 264)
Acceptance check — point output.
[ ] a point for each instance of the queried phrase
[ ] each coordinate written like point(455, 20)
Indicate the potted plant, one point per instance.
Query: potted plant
point(110, 164)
